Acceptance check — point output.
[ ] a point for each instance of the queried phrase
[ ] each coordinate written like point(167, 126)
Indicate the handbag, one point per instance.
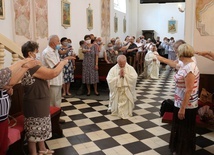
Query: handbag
point(205, 96)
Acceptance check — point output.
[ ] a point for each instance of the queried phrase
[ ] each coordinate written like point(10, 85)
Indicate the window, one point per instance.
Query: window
point(120, 5)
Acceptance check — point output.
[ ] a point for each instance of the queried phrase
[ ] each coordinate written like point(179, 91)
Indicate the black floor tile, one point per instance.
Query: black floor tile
point(89, 128)
point(115, 131)
point(65, 151)
point(146, 124)
point(99, 119)
point(106, 143)
point(78, 139)
point(136, 147)
point(77, 117)
point(163, 150)
point(121, 122)
point(203, 142)
point(150, 116)
point(68, 125)
point(143, 134)
point(85, 110)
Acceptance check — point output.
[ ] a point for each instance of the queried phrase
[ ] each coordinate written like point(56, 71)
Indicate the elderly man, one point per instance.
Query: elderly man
point(122, 80)
point(50, 58)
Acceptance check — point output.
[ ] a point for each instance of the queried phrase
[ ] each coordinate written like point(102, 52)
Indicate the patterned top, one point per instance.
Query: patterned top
point(180, 87)
point(5, 75)
point(89, 74)
point(68, 70)
point(34, 88)
point(111, 56)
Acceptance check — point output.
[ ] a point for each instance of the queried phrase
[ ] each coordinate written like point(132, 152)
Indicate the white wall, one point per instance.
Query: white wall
point(155, 17)
point(6, 28)
point(78, 28)
point(120, 16)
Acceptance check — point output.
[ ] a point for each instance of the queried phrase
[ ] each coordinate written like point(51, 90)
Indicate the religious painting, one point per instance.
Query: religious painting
point(124, 25)
point(89, 15)
point(66, 16)
point(105, 21)
point(22, 18)
point(2, 10)
point(172, 26)
point(115, 23)
point(40, 18)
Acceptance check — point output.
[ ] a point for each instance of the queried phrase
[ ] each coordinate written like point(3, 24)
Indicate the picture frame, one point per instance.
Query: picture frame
point(172, 26)
point(2, 9)
point(115, 23)
point(90, 20)
point(66, 13)
point(124, 24)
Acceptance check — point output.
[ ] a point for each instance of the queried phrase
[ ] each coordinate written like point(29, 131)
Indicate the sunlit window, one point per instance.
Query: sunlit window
point(120, 5)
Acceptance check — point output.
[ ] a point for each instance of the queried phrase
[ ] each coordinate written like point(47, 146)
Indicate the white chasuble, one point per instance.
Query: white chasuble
point(122, 91)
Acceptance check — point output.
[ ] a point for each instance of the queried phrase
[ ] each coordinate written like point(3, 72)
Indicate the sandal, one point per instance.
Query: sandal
point(46, 152)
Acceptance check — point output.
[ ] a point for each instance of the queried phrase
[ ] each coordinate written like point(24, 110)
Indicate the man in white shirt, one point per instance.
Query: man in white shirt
point(50, 58)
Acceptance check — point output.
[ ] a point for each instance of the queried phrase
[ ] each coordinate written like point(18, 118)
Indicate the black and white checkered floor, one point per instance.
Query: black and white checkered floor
point(90, 129)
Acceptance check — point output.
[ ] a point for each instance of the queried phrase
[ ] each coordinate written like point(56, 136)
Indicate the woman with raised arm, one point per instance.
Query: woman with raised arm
point(36, 108)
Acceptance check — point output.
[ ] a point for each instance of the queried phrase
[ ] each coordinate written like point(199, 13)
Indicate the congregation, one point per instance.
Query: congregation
point(130, 58)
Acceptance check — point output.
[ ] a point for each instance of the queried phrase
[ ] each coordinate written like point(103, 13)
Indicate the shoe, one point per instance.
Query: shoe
point(88, 94)
point(109, 109)
point(61, 121)
point(69, 94)
point(97, 94)
point(63, 95)
point(46, 152)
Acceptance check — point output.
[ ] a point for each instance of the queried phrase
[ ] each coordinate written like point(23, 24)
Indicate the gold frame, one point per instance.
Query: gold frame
point(89, 16)
point(2, 9)
point(115, 23)
point(172, 26)
point(124, 24)
point(66, 13)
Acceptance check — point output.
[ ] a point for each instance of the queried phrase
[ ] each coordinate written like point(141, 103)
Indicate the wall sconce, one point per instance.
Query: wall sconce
point(180, 8)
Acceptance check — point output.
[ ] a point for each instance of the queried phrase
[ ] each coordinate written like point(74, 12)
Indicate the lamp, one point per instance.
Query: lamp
point(180, 6)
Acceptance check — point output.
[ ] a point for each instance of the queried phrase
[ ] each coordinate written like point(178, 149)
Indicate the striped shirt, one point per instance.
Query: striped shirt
point(4, 105)
point(180, 87)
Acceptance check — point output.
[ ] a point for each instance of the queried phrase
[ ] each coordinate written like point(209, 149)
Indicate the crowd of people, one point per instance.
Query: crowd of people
point(46, 77)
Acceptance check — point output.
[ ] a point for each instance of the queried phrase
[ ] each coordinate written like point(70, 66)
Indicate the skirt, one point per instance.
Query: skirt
point(183, 133)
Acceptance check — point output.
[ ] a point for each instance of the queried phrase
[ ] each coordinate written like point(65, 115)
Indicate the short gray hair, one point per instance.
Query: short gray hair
point(121, 58)
point(51, 38)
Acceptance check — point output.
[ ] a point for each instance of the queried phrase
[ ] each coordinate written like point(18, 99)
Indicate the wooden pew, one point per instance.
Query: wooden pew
point(103, 69)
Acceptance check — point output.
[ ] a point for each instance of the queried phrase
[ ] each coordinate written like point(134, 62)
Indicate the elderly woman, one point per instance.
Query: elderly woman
point(68, 71)
point(152, 64)
point(9, 76)
point(90, 65)
point(110, 55)
point(37, 123)
point(183, 134)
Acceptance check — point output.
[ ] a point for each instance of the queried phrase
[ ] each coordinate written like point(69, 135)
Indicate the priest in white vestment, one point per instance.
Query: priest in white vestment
point(122, 80)
point(152, 64)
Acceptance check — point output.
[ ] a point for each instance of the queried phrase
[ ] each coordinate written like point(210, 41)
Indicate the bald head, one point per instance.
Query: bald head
point(53, 40)
point(121, 61)
point(177, 44)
